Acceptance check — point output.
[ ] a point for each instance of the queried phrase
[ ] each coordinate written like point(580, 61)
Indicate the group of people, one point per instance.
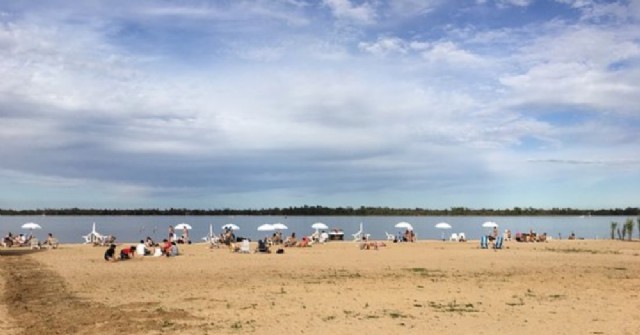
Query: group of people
point(11, 240)
point(407, 236)
point(182, 239)
point(22, 240)
point(146, 247)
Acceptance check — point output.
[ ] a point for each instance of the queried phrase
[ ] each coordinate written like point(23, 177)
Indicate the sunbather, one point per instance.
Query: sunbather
point(368, 245)
point(291, 240)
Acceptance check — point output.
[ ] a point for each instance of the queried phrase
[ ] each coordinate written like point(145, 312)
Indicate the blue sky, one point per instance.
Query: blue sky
point(252, 104)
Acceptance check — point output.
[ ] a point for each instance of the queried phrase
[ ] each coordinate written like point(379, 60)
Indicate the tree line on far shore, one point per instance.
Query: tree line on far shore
point(333, 211)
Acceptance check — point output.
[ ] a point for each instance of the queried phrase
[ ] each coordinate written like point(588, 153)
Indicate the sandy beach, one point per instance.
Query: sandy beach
point(560, 287)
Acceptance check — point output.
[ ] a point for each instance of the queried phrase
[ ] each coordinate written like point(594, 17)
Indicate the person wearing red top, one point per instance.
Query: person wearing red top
point(166, 247)
point(127, 253)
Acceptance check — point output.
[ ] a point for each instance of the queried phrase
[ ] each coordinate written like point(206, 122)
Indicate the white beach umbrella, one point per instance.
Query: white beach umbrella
point(279, 226)
point(319, 225)
point(443, 225)
point(183, 226)
point(31, 226)
point(230, 226)
point(404, 225)
point(490, 224)
point(266, 227)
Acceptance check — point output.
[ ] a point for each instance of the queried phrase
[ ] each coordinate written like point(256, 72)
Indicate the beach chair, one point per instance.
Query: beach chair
point(484, 242)
point(454, 237)
point(498, 243)
point(34, 243)
point(94, 237)
point(390, 237)
point(462, 237)
point(245, 248)
point(360, 235)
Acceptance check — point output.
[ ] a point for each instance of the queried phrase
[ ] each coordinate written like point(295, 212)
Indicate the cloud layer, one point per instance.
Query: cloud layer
point(250, 104)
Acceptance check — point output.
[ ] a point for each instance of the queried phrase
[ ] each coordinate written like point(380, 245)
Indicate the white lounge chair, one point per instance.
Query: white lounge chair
point(245, 248)
point(390, 237)
point(454, 237)
point(94, 237)
point(360, 235)
point(462, 237)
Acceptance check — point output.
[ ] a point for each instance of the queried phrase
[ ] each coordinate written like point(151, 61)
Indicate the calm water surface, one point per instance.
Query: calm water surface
point(70, 229)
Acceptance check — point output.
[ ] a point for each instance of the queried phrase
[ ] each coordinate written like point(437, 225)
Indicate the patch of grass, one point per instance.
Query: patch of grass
point(424, 272)
point(518, 302)
point(453, 307)
point(556, 296)
point(396, 315)
point(589, 251)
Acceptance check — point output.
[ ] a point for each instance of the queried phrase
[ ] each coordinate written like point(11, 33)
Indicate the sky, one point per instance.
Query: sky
point(260, 104)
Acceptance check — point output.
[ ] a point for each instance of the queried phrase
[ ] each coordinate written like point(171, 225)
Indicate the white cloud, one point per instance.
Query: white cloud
point(385, 45)
point(517, 3)
point(574, 66)
point(449, 53)
point(413, 7)
point(364, 13)
point(294, 105)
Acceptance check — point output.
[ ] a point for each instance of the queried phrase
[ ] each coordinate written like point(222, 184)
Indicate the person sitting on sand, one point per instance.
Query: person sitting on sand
point(304, 242)
point(141, 249)
point(166, 247)
point(263, 246)
point(51, 241)
point(277, 238)
point(291, 240)
point(149, 242)
point(494, 234)
point(110, 254)
point(127, 252)
point(8, 240)
point(157, 252)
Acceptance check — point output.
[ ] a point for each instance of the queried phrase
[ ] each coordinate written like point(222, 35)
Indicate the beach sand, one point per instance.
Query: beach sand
point(560, 287)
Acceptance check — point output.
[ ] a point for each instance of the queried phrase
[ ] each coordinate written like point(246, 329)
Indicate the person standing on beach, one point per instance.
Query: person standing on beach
point(172, 234)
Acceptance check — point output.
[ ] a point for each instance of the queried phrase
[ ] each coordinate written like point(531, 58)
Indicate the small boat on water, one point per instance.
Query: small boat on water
point(336, 234)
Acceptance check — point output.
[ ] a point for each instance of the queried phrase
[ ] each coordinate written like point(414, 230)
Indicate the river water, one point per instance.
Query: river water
point(70, 229)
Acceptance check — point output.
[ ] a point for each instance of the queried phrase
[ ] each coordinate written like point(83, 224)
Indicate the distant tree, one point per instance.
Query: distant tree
point(614, 225)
